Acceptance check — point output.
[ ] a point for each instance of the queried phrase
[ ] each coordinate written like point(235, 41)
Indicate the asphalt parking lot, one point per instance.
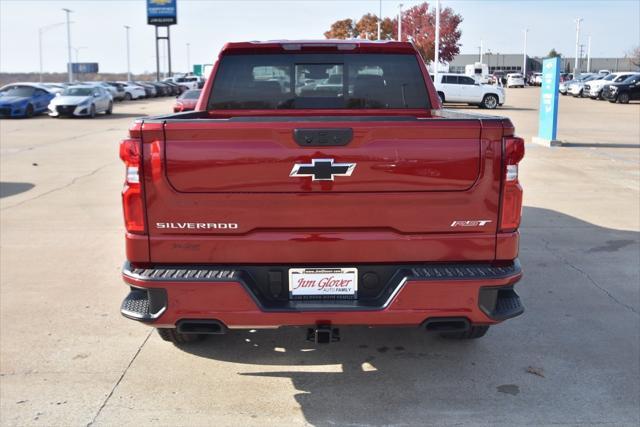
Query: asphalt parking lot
point(68, 358)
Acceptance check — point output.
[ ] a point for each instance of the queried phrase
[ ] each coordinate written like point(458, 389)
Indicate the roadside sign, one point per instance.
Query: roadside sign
point(84, 67)
point(197, 69)
point(548, 119)
point(162, 12)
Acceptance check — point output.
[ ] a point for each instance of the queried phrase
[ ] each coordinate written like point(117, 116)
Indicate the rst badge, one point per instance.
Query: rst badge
point(471, 223)
point(322, 170)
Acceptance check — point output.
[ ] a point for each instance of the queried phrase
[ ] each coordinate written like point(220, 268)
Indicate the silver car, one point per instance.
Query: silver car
point(81, 101)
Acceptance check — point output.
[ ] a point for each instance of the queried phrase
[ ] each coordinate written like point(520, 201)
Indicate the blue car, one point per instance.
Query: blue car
point(24, 100)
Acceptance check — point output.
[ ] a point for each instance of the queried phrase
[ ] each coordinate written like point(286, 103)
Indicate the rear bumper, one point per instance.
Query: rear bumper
point(164, 295)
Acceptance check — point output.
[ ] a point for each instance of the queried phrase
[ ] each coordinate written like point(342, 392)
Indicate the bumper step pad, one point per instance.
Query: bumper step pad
point(144, 304)
point(500, 303)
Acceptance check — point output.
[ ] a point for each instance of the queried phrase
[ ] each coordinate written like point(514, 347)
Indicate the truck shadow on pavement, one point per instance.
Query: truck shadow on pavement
point(12, 188)
point(385, 376)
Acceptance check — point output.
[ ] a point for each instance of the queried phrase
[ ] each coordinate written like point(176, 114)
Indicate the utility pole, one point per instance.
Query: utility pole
point(481, 50)
point(436, 61)
point(575, 66)
point(589, 55)
point(69, 66)
point(400, 22)
point(126, 27)
point(524, 55)
point(380, 22)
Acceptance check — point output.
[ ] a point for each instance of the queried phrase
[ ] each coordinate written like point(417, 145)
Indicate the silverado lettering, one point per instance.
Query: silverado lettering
point(273, 143)
point(197, 225)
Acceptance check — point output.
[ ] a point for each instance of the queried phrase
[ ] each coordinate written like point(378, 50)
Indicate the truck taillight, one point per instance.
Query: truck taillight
point(132, 203)
point(511, 202)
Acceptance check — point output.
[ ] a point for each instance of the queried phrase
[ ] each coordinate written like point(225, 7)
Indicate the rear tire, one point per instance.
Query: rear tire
point(473, 333)
point(127, 96)
point(623, 98)
point(172, 335)
point(28, 113)
point(489, 102)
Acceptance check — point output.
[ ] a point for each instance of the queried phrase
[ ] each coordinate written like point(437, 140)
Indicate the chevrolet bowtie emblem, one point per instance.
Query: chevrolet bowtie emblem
point(322, 169)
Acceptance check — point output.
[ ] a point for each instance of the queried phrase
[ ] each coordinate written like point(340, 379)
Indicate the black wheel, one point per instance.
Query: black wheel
point(109, 109)
point(623, 98)
point(490, 102)
point(564, 93)
point(29, 111)
point(92, 111)
point(127, 96)
point(441, 96)
point(473, 333)
point(172, 335)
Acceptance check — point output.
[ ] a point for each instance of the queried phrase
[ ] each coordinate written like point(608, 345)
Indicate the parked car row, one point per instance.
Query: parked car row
point(78, 99)
point(615, 87)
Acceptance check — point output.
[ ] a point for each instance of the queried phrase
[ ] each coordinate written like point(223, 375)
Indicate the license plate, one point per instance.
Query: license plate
point(318, 283)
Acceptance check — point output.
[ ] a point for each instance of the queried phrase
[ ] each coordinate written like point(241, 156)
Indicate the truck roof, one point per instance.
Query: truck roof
point(327, 45)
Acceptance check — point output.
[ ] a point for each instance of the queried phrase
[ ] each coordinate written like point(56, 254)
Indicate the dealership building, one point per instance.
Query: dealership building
point(512, 63)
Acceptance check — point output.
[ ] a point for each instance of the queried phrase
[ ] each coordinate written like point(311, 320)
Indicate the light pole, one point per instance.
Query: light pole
point(77, 50)
point(481, 50)
point(188, 57)
point(41, 31)
point(524, 55)
point(575, 66)
point(437, 46)
point(380, 22)
point(69, 67)
point(400, 22)
point(126, 27)
point(589, 55)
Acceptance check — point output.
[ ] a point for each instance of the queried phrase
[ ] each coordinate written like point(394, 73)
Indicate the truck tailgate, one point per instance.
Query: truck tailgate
point(257, 157)
point(219, 191)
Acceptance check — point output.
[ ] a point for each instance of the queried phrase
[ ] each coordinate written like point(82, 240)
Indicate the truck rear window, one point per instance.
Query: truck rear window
point(318, 81)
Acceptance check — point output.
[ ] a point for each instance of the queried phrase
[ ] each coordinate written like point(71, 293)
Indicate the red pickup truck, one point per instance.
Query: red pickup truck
point(320, 184)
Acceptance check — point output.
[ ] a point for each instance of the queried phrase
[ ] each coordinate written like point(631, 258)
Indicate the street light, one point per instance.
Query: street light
point(41, 31)
point(437, 46)
point(77, 50)
point(69, 67)
point(400, 22)
point(188, 57)
point(589, 55)
point(524, 55)
point(128, 60)
point(575, 66)
point(380, 22)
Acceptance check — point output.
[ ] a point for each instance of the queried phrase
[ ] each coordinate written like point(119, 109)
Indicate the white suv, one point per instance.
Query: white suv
point(515, 80)
point(190, 82)
point(464, 89)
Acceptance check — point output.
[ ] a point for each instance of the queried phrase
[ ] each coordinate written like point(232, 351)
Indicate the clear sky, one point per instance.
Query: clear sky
point(207, 24)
